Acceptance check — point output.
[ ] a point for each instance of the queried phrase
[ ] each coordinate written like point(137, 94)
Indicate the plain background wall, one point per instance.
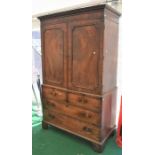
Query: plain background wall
point(43, 6)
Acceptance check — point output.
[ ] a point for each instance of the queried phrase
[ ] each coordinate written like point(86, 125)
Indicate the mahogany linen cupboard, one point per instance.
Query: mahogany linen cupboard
point(79, 57)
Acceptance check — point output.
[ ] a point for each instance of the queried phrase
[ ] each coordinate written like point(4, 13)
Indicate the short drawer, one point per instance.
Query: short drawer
point(88, 102)
point(53, 93)
point(73, 111)
point(75, 126)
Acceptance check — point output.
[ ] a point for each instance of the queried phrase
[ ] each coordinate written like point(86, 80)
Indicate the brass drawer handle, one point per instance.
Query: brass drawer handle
point(52, 104)
point(83, 114)
point(87, 129)
point(53, 93)
point(59, 94)
point(89, 115)
point(80, 99)
point(85, 101)
point(51, 116)
point(67, 105)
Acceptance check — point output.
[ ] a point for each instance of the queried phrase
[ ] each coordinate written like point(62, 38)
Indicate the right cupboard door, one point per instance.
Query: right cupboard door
point(85, 45)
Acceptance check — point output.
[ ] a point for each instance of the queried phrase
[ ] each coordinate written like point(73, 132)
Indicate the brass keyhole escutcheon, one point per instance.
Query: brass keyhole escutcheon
point(94, 52)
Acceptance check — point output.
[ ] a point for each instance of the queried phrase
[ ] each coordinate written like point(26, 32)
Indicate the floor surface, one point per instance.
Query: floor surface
point(56, 142)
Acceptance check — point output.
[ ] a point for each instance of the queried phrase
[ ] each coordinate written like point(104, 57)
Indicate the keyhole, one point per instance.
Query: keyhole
point(94, 52)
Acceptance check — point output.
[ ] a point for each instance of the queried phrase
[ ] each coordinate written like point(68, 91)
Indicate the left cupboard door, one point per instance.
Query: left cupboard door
point(54, 50)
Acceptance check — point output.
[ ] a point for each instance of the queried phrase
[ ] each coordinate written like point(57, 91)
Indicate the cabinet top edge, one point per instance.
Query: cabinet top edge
point(80, 10)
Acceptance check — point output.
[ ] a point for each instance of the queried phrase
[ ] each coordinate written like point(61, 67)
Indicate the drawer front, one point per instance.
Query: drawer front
point(73, 111)
point(72, 125)
point(53, 93)
point(84, 101)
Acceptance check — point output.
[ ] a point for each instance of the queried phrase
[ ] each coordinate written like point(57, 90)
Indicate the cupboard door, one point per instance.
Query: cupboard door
point(54, 49)
point(85, 39)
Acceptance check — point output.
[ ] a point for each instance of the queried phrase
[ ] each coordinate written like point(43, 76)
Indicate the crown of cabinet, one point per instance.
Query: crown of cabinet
point(79, 57)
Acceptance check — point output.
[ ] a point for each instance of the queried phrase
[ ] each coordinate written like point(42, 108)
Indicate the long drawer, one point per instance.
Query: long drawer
point(73, 125)
point(73, 111)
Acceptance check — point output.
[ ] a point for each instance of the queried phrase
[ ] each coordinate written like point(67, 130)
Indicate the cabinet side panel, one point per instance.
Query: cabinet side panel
point(110, 52)
point(108, 112)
